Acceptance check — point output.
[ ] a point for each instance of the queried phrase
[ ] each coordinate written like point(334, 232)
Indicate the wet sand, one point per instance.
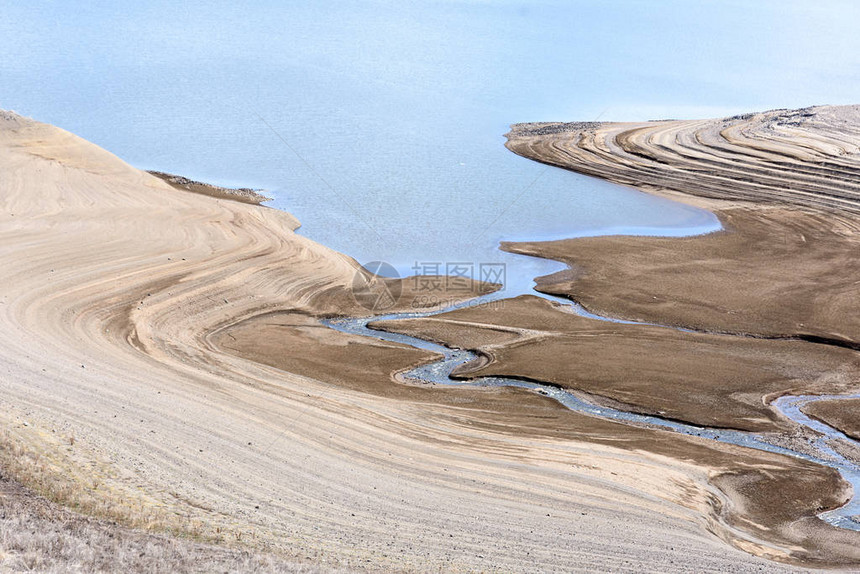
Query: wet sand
point(771, 273)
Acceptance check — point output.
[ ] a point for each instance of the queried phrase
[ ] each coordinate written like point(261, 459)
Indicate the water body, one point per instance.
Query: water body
point(379, 124)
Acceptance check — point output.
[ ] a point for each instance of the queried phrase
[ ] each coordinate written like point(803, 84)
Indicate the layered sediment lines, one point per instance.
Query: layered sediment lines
point(783, 183)
point(806, 157)
point(116, 295)
point(762, 278)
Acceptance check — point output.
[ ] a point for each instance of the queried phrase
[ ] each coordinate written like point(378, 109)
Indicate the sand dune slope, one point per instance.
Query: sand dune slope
point(112, 282)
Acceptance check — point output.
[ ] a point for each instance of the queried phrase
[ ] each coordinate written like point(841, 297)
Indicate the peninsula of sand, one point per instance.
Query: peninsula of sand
point(163, 366)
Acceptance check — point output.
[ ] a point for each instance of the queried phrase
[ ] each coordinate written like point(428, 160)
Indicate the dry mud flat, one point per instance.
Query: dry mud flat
point(117, 295)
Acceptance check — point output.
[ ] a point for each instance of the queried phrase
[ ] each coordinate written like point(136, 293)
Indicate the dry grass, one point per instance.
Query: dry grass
point(48, 472)
point(79, 524)
point(39, 536)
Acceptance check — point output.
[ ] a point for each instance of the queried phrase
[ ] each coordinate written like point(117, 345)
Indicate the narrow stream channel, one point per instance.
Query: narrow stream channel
point(439, 373)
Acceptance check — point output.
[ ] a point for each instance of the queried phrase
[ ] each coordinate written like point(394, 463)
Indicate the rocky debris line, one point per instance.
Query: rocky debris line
point(245, 194)
point(545, 129)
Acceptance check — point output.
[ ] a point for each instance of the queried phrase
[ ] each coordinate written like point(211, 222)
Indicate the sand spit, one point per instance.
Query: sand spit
point(775, 271)
point(114, 287)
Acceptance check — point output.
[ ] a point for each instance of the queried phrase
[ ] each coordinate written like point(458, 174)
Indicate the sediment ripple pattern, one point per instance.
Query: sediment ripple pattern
point(808, 157)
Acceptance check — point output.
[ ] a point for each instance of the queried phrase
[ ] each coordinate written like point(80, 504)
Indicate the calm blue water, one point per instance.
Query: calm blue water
point(379, 124)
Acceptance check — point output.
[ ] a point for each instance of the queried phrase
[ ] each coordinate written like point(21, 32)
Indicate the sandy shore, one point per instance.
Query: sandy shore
point(747, 158)
point(115, 291)
point(774, 271)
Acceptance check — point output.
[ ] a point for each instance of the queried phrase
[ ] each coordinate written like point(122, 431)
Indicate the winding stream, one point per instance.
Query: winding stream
point(438, 372)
